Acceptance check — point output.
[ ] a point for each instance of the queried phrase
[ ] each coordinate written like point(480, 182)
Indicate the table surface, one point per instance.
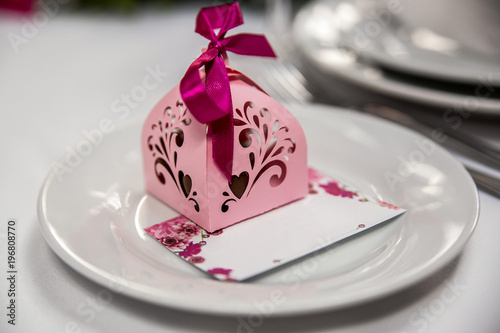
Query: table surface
point(59, 75)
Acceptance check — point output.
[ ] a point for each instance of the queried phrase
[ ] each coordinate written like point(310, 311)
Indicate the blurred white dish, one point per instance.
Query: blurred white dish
point(93, 218)
point(461, 32)
point(358, 40)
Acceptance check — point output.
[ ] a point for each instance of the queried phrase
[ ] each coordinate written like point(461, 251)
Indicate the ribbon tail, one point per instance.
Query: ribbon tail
point(249, 44)
point(218, 88)
point(210, 102)
point(223, 144)
point(217, 85)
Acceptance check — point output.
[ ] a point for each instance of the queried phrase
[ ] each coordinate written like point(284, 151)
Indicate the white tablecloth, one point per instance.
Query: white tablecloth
point(60, 76)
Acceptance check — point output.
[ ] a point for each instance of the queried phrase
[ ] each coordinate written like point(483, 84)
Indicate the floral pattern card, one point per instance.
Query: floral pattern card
point(331, 212)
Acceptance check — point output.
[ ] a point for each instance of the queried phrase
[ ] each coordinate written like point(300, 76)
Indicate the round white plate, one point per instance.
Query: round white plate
point(331, 36)
point(93, 218)
point(404, 40)
point(396, 48)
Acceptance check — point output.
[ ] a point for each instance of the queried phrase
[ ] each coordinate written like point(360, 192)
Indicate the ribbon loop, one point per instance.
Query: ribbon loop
point(224, 17)
point(209, 99)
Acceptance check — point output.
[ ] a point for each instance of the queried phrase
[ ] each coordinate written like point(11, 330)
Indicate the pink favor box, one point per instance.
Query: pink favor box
point(269, 165)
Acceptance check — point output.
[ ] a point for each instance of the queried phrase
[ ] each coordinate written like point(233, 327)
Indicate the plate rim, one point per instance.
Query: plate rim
point(322, 304)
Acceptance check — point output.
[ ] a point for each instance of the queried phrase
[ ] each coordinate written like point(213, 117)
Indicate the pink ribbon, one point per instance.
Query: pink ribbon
point(210, 101)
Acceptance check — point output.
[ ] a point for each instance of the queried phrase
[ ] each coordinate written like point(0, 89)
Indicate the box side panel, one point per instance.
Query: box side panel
point(270, 160)
point(174, 157)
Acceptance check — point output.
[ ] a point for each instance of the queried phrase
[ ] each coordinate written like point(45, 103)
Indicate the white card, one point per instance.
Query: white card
point(331, 212)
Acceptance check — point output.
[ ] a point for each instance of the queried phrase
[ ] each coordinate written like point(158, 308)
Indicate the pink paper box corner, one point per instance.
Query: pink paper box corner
point(269, 165)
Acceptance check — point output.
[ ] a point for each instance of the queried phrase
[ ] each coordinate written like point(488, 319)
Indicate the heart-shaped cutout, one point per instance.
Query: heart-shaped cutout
point(185, 182)
point(239, 184)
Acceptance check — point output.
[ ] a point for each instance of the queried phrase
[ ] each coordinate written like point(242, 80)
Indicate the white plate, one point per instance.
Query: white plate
point(331, 35)
point(395, 48)
point(93, 219)
point(406, 41)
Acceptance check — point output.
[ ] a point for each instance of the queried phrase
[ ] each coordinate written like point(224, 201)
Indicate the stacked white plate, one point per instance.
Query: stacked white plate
point(416, 51)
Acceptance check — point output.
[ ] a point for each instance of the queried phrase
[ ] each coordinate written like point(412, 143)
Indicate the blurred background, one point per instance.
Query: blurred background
point(109, 6)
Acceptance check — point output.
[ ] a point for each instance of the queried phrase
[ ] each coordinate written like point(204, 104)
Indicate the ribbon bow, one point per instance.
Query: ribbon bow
point(210, 101)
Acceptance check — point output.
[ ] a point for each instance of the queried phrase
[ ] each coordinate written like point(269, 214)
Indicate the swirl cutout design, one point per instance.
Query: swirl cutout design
point(166, 143)
point(270, 147)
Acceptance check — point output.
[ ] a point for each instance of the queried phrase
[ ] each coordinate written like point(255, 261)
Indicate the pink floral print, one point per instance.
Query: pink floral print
point(196, 260)
point(222, 273)
point(190, 250)
point(318, 181)
point(314, 176)
point(386, 204)
point(178, 233)
point(175, 233)
point(173, 242)
point(336, 189)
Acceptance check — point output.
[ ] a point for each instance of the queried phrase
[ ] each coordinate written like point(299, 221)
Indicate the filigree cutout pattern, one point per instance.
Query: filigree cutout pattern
point(271, 154)
point(164, 146)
